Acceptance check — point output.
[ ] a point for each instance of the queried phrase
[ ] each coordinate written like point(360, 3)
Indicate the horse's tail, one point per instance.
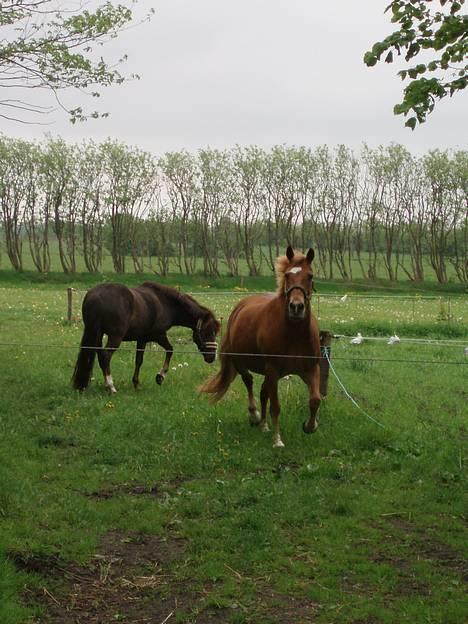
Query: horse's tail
point(218, 385)
point(92, 337)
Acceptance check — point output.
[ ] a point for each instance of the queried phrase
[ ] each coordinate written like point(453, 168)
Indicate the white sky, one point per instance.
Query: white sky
point(224, 72)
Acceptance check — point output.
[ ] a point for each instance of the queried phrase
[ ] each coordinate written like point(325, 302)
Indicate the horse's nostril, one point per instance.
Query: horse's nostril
point(296, 308)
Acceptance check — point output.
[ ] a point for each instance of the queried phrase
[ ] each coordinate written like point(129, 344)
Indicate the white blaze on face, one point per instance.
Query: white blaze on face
point(295, 270)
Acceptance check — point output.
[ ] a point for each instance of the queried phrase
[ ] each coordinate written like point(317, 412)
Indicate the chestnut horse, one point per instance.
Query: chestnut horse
point(273, 335)
point(144, 314)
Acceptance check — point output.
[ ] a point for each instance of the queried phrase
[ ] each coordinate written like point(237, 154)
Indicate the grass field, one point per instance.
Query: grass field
point(154, 506)
point(151, 266)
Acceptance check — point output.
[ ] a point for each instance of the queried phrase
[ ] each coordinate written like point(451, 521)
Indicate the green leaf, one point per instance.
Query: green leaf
point(411, 123)
point(370, 59)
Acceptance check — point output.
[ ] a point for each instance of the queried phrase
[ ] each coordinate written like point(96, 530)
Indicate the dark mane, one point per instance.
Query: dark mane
point(193, 307)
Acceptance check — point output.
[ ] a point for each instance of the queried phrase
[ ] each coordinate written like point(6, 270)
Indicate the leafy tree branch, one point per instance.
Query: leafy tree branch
point(52, 45)
point(442, 34)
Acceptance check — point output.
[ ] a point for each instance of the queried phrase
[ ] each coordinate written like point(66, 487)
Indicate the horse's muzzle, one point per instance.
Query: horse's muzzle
point(296, 311)
point(209, 352)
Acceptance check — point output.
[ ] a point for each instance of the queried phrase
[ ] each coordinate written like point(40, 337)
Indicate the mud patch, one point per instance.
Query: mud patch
point(126, 489)
point(130, 579)
point(426, 547)
point(404, 545)
point(283, 609)
point(156, 490)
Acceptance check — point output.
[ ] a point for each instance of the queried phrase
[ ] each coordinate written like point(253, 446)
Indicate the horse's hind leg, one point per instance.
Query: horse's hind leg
point(271, 387)
point(104, 357)
point(312, 380)
point(165, 344)
point(140, 351)
point(254, 415)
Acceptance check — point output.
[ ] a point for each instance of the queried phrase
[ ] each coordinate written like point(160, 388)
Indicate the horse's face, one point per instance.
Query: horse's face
point(298, 285)
point(204, 336)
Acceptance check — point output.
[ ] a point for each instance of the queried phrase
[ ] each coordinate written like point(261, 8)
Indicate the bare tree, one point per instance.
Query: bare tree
point(458, 255)
point(131, 180)
point(13, 194)
point(249, 201)
point(36, 214)
point(181, 177)
point(439, 210)
point(91, 205)
point(215, 177)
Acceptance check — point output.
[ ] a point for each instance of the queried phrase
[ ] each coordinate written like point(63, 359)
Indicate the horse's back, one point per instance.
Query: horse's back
point(109, 305)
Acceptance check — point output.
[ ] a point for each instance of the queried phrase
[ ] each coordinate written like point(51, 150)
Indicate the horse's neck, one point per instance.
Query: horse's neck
point(186, 316)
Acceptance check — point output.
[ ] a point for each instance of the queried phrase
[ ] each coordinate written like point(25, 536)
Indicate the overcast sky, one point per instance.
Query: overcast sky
point(224, 72)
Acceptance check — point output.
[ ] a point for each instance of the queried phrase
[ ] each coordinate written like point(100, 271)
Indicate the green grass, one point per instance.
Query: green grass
point(357, 523)
point(151, 267)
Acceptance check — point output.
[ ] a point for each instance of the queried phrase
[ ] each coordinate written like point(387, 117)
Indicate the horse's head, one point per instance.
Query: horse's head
point(298, 283)
point(204, 336)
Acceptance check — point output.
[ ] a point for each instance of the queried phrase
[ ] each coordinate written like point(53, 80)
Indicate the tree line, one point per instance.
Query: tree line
point(234, 210)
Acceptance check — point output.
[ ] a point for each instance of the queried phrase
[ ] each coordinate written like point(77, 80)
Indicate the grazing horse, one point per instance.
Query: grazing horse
point(273, 335)
point(144, 314)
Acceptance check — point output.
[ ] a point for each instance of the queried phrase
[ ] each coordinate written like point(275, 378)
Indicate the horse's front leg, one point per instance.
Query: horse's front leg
point(312, 380)
point(140, 351)
point(271, 388)
point(104, 357)
point(165, 344)
point(264, 404)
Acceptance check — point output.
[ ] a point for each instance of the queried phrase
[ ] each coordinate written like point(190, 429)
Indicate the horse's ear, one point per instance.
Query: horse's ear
point(310, 255)
point(290, 253)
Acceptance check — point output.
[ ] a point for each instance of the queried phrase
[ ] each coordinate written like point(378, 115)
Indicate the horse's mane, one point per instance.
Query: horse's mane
point(193, 307)
point(282, 264)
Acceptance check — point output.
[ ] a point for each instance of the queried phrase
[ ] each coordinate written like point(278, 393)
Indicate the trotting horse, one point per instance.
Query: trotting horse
point(144, 314)
point(274, 335)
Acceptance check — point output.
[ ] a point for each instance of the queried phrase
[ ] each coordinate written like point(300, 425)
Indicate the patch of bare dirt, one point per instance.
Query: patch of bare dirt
point(131, 579)
point(426, 547)
point(128, 580)
point(280, 609)
point(126, 489)
point(156, 490)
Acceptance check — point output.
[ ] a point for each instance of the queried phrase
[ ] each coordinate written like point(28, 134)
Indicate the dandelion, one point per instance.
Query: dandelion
point(185, 363)
point(174, 368)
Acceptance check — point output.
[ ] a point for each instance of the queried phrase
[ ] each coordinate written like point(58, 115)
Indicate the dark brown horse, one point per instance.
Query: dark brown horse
point(144, 314)
point(274, 335)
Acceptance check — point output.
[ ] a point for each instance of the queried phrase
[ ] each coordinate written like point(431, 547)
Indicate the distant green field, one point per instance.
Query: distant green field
point(151, 266)
point(154, 504)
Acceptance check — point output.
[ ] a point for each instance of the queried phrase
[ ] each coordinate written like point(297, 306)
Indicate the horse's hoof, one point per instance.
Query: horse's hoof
point(278, 444)
point(254, 417)
point(313, 430)
point(159, 379)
